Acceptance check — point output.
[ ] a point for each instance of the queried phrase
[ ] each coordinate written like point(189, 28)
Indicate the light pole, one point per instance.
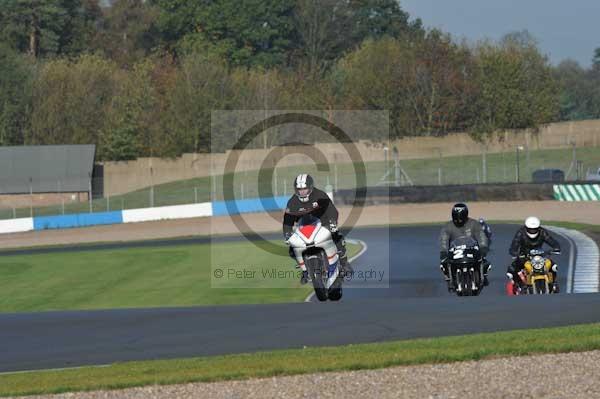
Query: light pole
point(385, 159)
point(397, 176)
point(265, 46)
point(439, 166)
point(519, 147)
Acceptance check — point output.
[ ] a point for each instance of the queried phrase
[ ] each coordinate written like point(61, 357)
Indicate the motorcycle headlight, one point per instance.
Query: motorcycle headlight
point(537, 263)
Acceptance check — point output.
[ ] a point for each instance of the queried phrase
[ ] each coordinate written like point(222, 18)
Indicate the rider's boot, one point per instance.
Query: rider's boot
point(555, 288)
point(345, 267)
point(304, 278)
point(447, 278)
point(450, 284)
point(486, 268)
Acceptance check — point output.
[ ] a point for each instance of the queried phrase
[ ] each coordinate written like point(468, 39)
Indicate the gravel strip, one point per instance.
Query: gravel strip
point(573, 375)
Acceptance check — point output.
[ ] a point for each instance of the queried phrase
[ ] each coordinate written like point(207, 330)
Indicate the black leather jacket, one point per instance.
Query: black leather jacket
point(471, 228)
point(522, 244)
point(319, 205)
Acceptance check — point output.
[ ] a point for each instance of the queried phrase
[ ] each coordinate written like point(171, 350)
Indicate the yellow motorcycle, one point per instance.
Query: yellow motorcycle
point(538, 276)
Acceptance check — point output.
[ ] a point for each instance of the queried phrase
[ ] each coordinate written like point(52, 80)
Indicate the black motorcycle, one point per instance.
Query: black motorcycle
point(466, 267)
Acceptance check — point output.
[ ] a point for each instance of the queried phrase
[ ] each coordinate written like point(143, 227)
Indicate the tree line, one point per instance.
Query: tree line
point(140, 78)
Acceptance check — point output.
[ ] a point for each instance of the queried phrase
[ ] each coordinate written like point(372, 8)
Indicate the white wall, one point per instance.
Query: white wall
point(167, 212)
point(16, 225)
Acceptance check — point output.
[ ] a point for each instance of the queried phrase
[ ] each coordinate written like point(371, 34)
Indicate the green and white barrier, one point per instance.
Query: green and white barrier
point(577, 192)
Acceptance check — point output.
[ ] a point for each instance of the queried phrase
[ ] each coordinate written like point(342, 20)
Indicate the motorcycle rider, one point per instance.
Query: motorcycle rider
point(531, 236)
point(462, 226)
point(308, 199)
point(487, 230)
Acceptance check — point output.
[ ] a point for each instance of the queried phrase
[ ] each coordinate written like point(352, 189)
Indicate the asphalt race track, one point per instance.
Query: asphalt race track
point(409, 258)
point(416, 304)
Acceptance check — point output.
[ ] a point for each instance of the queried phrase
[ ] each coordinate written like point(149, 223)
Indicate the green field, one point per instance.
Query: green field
point(308, 360)
point(501, 167)
point(146, 277)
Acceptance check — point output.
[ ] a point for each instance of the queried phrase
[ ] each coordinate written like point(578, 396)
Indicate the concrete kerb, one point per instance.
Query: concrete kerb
point(584, 262)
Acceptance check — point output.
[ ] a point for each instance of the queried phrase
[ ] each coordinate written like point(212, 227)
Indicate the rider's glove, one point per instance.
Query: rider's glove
point(443, 257)
point(286, 237)
point(333, 226)
point(484, 251)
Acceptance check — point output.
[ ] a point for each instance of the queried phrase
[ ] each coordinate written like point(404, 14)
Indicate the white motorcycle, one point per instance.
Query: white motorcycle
point(316, 253)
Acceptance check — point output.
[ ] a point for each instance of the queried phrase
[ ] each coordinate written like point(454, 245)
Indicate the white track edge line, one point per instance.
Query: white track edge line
point(57, 369)
point(572, 246)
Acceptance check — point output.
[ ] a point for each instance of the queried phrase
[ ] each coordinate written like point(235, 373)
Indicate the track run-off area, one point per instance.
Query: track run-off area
point(407, 299)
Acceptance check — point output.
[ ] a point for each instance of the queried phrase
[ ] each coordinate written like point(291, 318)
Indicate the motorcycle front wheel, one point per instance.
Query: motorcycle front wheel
point(335, 291)
point(541, 287)
point(467, 283)
point(314, 265)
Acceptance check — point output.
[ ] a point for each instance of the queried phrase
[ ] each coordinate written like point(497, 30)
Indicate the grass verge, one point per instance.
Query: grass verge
point(309, 360)
point(178, 275)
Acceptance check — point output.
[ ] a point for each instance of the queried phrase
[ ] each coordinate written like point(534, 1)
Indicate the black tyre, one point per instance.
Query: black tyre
point(540, 286)
point(335, 291)
point(467, 283)
point(315, 270)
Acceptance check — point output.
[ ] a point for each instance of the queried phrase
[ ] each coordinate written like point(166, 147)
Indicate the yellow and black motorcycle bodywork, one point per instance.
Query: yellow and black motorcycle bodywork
point(538, 274)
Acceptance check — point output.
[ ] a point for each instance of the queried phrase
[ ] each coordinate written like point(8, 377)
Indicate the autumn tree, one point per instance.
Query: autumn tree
point(516, 88)
point(329, 29)
point(249, 33)
point(128, 133)
point(202, 84)
point(129, 31)
point(15, 87)
point(48, 27)
point(71, 99)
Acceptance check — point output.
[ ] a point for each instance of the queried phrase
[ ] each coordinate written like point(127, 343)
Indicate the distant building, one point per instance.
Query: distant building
point(45, 175)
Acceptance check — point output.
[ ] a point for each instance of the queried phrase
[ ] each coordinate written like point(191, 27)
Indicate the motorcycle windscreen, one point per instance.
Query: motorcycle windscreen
point(464, 242)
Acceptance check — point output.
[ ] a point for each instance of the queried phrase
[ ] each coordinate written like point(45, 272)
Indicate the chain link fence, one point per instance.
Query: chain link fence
point(516, 165)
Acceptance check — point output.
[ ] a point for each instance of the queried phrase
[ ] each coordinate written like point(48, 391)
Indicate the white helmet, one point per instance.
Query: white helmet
point(532, 227)
point(303, 187)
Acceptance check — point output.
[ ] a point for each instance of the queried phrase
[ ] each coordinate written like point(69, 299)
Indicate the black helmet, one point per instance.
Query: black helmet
point(460, 214)
point(303, 186)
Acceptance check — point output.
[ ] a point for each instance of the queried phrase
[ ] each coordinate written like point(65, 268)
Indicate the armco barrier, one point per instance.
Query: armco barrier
point(221, 208)
point(423, 194)
point(76, 220)
point(167, 212)
point(577, 192)
point(143, 215)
